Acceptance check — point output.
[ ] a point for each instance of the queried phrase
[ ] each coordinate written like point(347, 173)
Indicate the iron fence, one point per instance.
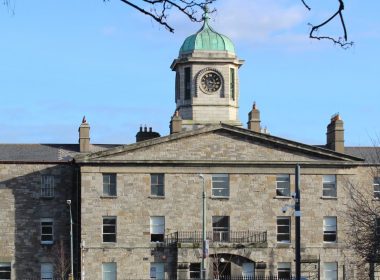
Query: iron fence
point(217, 236)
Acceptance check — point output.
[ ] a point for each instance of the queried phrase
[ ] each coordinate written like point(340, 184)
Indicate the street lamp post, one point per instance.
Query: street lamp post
point(71, 242)
point(203, 268)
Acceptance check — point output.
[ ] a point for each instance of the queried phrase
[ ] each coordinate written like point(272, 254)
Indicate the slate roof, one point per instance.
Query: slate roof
point(44, 152)
point(371, 155)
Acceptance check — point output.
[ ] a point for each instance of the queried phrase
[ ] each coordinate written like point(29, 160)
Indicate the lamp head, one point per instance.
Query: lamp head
point(68, 202)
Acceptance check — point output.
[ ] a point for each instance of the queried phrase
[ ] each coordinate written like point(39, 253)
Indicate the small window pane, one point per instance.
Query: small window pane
point(46, 271)
point(220, 185)
point(5, 271)
point(157, 184)
point(157, 228)
point(109, 271)
point(109, 184)
point(109, 229)
point(221, 228)
point(284, 270)
point(329, 185)
point(157, 271)
point(283, 185)
point(47, 186)
point(47, 231)
point(283, 229)
point(329, 229)
point(330, 271)
point(195, 271)
point(376, 188)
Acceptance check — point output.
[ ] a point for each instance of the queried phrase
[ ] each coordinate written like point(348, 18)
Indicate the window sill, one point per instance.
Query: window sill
point(108, 196)
point(329, 197)
point(46, 197)
point(281, 197)
point(47, 242)
point(283, 244)
point(220, 197)
point(109, 244)
point(156, 197)
point(330, 244)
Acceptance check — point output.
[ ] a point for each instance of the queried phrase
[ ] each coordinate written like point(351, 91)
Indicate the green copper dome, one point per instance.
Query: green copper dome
point(206, 39)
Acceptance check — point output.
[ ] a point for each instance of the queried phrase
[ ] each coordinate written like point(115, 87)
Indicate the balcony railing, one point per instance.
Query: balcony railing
point(217, 236)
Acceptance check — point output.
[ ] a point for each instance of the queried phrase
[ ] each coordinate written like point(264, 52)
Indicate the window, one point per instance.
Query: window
point(329, 185)
point(232, 83)
point(283, 229)
point(47, 186)
point(329, 229)
point(47, 272)
point(187, 83)
point(221, 228)
point(5, 271)
point(195, 271)
point(47, 231)
point(109, 229)
point(284, 270)
point(109, 184)
point(283, 185)
point(157, 184)
point(330, 271)
point(248, 270)
point(157, 228)
point(109, 271)
point(157, 271)
point(376, 188)
point(220, 185)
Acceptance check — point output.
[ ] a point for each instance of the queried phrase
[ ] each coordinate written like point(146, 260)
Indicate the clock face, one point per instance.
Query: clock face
point(210, 82)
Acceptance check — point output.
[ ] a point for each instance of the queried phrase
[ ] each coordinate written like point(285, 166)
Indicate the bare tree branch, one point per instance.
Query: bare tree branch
point(341, 41)
point(158, 10)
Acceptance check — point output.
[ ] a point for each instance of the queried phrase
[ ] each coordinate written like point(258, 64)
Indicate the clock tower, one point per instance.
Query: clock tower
point(207, 83)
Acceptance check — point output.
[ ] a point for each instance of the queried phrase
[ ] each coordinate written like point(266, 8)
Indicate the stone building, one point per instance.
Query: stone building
point(138, 208)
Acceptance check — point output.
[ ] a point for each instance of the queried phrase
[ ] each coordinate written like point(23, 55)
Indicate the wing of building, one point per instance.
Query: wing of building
point(210, 195)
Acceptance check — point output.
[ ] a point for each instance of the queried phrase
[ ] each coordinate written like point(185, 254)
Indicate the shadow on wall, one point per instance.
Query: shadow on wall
point(35, 216)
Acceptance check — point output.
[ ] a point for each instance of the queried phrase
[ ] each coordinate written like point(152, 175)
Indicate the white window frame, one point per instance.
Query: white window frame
point(157, 228)
point(47, 271)
point(114, 225)
point(220, 185)
point(330, 228)
point(329, 185)
point(47, 185)
point(376, 188)
point(283, 185)
point(330, 269)
point(109, 187)
point(109, 271)
point(44, 225)
point(284, 267)
point(157, 184)
point(5, 268)
point(289, 226)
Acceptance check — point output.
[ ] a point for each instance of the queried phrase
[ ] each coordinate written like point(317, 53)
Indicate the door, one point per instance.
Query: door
point(157, 271)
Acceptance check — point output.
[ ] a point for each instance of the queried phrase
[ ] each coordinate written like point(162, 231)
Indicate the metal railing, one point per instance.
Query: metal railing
point(217, 236)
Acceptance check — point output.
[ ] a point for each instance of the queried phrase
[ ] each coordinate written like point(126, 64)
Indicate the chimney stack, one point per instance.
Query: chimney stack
point(254, 119)
point(143, 135)
point(84, 136)
point(335, 134)
point(176, 123)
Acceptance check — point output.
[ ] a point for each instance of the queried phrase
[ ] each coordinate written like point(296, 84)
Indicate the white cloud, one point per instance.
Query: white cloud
point(258, 21)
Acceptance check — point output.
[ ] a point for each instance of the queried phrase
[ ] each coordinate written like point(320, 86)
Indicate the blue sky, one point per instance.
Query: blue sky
point(60, 60)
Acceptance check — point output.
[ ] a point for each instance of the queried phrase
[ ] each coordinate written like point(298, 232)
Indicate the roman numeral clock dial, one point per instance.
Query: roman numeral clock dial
point(210, 82)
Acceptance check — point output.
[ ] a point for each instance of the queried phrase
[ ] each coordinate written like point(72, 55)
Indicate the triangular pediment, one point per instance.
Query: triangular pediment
point(218, 144)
